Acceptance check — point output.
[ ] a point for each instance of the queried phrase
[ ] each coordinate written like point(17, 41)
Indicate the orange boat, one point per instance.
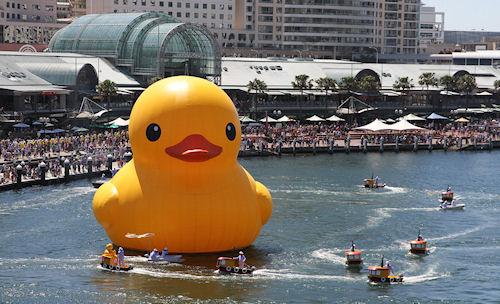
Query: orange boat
point(353, 256)
point(419, 246)
point(382, 274)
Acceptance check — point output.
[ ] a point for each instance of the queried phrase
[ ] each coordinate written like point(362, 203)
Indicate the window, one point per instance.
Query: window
point(196, 5)
point(179, 14)
point(188, 5)
point(204, 6)
point(161, 3)
point(212, 6)
point(195, 15)
point(8, 4)
point(188, 15)
point(169, 4)
point(179, 4)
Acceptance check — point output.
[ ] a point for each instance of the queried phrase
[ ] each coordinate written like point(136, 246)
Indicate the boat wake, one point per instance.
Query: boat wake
point(280, 275)
point(430, 275)
point(329, 255)
point(458, 234)
point(382, 214)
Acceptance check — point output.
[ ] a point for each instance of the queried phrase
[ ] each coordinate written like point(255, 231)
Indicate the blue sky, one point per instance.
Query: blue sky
point(469, 14)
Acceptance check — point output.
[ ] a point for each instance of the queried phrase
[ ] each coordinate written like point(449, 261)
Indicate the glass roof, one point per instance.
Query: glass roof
point(144, 44)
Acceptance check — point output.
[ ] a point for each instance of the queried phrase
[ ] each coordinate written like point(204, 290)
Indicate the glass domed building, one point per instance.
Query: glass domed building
point(143, 45)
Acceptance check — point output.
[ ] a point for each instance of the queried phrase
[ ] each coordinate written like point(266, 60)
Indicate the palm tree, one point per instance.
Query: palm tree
point(349, 83)
point(258, 86)
point(302, 82)
point(466, 84)
point(369, 84)
point(403, 84)
point(106, 89)
point(428, 80)
point(326, 84)
point(448, 83)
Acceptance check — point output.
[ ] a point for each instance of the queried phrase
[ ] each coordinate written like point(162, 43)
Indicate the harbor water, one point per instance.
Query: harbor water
point(50, 241)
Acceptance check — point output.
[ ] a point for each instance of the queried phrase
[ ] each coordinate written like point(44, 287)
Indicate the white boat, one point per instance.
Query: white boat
point(453, 205)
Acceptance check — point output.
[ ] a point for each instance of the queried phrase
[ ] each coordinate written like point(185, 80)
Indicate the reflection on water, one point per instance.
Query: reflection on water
point(51, 241)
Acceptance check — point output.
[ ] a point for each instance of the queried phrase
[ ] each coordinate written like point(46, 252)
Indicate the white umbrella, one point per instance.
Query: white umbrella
point(120, 122)
point(404, 125)
point(335, 118)
point(412, 117)
point(435, 116)
point(285, 119)
point(462, 119)
point(315, 118)
point(268, 119)
point(374, 126)
point(246, 119)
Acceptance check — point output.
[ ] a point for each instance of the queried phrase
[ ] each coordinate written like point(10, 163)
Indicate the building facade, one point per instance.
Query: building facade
point(431, 27)
point(293, 28)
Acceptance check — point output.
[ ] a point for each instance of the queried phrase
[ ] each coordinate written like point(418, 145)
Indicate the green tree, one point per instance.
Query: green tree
point(496, 85)
point(403, 84)
point(326, 84)
point(349, 83)
point(466, 84)
point(369, 84)
point(258, 86)
point(106, 89)
point(302, 82)
point(428, 80)
point(448, 83)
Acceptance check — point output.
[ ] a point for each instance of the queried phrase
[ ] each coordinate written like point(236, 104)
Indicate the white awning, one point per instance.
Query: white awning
point(292, 92)
point(285, 119)
point(268, 119)
point(335, 118)
point(36, 89)
point(411, 117)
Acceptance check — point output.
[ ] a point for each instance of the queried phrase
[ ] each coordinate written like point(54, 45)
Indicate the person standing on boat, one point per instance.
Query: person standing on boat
point(241, 260)
point(154, 255)
point(164, 253)
point(389, 266)
point(353, 246)
point(376, 181)
point(121, 257)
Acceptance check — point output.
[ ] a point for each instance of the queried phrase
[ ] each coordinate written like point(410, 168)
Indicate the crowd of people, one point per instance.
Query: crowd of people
point(53, 151)
point(77, 148)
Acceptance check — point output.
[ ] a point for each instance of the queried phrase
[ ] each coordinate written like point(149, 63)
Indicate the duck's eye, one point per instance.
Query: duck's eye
point(230, 131)
point(153, 132)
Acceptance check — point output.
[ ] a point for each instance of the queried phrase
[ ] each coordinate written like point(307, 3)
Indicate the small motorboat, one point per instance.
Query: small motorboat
point(382, 274)
point(453, 205)
point(353, 257)
point(372, 183)
point(99, 182)
point(171, 258)
point(419, 245)
point(227, 265)
point(109, 260)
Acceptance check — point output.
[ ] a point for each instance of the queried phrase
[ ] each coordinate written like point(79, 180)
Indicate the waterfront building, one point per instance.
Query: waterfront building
point(143, 45)
point(293, 28)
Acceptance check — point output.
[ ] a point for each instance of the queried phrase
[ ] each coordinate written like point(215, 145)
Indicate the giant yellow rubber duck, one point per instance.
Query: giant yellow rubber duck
point(184, 188)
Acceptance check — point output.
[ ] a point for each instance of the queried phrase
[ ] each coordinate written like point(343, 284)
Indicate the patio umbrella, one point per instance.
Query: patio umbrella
point(37, 123)
point(462, 119)
point(21, 125)
point(285, 119)
point(435, 116)
point(315, 118)
point(335, 118)
point(411, 117)
point(268, 119)
point(246, 119)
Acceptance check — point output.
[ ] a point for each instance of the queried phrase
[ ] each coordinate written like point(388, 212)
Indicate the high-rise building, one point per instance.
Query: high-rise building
point(321, 28)
point(29, 23)
point(431, 27)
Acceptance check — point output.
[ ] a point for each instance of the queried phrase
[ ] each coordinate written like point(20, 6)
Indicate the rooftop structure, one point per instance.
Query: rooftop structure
point(143, 45)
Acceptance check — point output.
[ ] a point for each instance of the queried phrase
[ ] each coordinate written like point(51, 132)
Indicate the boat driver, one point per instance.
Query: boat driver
point(353, 246)
point(121, 257)
point(389, 266)
point(376, 181)
point(241, 260)
point(154, 255)
point(164, 253)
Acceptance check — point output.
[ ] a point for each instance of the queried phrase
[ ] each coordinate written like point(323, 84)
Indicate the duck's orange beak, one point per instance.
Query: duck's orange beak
point(194, 148)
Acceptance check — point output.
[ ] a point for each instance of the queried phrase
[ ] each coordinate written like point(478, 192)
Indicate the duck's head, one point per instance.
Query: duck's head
point(183, 122)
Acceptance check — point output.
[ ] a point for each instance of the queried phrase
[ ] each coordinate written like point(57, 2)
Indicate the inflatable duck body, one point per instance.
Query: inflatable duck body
point(184, 187)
